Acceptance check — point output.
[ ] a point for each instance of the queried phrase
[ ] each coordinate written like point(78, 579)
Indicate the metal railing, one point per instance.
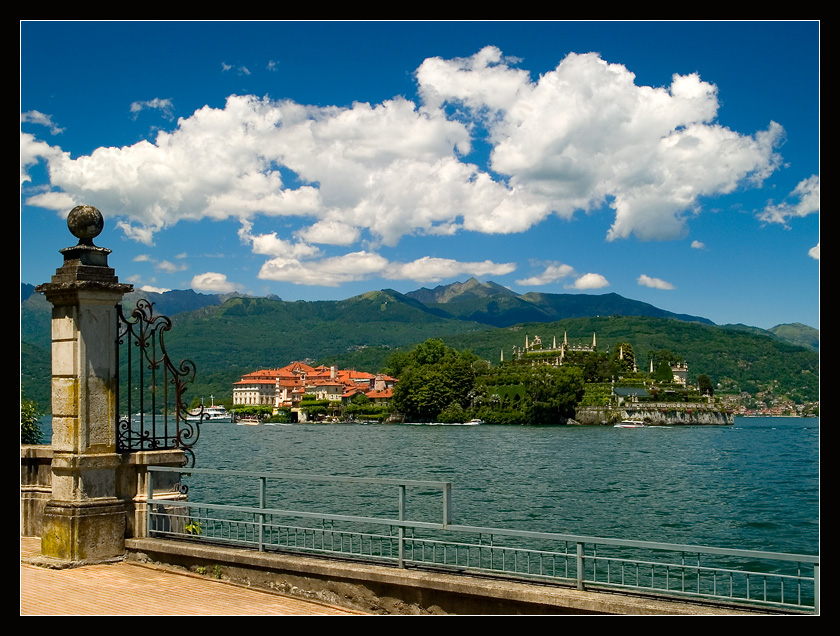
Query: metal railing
point(706, 574)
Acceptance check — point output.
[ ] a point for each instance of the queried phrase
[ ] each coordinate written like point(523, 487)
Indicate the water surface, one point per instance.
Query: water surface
point(751, 485)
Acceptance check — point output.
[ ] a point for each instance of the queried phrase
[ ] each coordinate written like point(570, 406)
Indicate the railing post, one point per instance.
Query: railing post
point(817, 588)
point(262, 515)
point(150, 490)
point(401, 528)
point(580, 565)
point(447, 503)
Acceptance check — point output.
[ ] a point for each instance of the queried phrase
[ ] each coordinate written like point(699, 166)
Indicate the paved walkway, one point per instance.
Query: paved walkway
point(133, 589)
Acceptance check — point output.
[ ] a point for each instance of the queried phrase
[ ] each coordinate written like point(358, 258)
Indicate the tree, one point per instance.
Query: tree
point(623, 358)
point(664, 373)
point(704, 384)
point(30, 430)
point(553, 393)
point(433, 377)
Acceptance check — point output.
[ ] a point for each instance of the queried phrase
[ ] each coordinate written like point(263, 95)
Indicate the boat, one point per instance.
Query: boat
point(474, 422)
point(630, 424)
point(248, 420)
point(212, 413)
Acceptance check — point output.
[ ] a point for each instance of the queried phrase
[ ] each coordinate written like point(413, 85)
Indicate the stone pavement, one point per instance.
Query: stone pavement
point(133, 589)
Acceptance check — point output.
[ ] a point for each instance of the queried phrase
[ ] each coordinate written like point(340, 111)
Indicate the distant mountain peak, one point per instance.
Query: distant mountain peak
point(472, 288)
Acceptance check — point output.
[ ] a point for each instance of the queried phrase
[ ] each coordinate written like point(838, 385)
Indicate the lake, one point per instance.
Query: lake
point(752, 485)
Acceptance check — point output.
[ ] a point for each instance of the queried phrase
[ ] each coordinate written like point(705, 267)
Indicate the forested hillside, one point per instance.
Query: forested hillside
point(226, 338)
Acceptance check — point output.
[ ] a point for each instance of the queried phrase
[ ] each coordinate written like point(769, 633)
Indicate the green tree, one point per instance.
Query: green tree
point(553, 393)
point(623, 358)
point(30, 430)
point(664, 373)
point(704, 384)
point(433, 378)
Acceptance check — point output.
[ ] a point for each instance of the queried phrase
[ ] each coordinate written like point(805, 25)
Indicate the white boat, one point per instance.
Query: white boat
point(248, 420)
point(212, 413)
point(630, 424)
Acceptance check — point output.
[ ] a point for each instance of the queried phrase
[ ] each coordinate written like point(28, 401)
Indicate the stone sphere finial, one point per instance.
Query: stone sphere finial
point(85, 223)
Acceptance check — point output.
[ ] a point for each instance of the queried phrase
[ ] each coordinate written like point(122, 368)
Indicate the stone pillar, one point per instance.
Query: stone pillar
point(84, 521)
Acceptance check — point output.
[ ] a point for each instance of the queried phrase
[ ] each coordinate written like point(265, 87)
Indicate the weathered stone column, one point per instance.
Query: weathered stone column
point(84, 521)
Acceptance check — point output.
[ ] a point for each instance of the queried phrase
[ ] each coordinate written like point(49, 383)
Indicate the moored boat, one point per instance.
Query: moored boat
point(212, 413)
point(630, 424)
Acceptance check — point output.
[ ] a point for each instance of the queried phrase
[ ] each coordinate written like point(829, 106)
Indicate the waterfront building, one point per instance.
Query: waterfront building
point(285, 387)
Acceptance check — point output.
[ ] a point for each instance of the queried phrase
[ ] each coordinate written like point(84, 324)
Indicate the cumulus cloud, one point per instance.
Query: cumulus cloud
point(151, 288)
point(358, 266)
point(590, 281)
point(585, 134)
point(698, 245)
point(32, 151)
point(428, 269)
point(551, 274)
point(804, 200)
point(214, 282)
point(814, 252)
point(656, 283)
point(579, 137)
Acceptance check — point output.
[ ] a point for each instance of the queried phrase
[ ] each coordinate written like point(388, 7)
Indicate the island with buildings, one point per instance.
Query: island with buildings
point(600, 387)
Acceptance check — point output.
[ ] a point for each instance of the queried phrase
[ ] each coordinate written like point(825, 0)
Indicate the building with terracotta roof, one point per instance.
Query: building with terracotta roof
point(286, 387)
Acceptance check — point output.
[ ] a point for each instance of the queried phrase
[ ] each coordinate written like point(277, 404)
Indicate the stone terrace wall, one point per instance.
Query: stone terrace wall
point(658, 414)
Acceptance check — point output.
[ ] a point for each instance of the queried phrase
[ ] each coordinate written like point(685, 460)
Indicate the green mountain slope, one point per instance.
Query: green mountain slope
point(492, 304)
point(226, 337)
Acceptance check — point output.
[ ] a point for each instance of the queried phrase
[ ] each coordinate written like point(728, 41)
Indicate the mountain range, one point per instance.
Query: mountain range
point(228, 335)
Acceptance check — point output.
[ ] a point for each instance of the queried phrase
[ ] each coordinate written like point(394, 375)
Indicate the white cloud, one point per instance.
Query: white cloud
point(357, 266)
point(157, 290)
point(656, 283)
point(330, 233)
point(36, 117)
point(698, 245)
point(585, 133)
point(329, 272)
point(163, 105)
point(170, 267)
point(804, 200)
point(590, 281)
point(32, 152)
point(429, 269)
point(814, 252)
point(580, 136)
point(552, 273)
point(270, 244)
point(213, 282)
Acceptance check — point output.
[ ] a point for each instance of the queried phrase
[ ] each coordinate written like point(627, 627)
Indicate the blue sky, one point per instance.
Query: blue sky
point(675, 163)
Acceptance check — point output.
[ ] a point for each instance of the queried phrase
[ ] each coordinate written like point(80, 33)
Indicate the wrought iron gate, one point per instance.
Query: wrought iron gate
point(150, 389)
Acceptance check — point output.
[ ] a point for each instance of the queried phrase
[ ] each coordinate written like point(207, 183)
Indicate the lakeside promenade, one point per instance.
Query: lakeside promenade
point(132, 589)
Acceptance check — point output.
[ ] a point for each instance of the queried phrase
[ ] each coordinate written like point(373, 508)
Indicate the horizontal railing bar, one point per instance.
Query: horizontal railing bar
point(631, 543)
point(696, 569)
point(297, 513)
point(670, 547)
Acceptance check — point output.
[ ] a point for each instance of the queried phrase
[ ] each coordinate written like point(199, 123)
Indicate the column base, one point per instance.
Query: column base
point(80, 533)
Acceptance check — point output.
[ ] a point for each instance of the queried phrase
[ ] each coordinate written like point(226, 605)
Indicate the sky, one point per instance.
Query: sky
point(675, 163)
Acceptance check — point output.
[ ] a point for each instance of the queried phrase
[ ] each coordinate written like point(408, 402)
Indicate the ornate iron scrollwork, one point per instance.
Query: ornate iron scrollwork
point(150, 407)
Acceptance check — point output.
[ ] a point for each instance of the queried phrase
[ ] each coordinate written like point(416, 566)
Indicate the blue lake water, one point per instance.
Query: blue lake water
point(753, 485)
